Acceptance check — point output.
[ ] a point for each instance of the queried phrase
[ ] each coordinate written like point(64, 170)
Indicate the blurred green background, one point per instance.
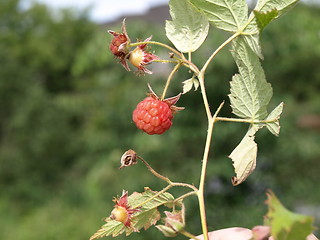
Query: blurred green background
point(65, 120)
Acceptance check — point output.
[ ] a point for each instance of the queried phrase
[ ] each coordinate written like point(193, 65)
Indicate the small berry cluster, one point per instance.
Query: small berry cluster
point(139, 57)
point(152, 115)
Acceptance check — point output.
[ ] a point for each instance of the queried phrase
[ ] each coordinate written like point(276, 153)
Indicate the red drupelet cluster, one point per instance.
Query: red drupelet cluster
point(153, 116)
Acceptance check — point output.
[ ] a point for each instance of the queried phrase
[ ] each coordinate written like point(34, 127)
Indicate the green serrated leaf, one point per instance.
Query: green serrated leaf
point(286, 225)
point(138, 198)
point(146, 217)
point(281, 6)
point(244, 157)
point(253, 41)
point(188, 84)
point(264, 12)
point(228, 15)
point(112, 227)
point(255, 27)
point(250, 92)
point(274, 127)
point(264, 18)
point(188, 28)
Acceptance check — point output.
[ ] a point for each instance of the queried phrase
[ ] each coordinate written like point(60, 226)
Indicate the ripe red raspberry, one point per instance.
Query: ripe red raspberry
point(153, 116)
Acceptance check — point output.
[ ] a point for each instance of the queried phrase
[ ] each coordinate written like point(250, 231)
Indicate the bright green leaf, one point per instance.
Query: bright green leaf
point(264, 18)
point(274, 127)
point(250, 92)
point(229, 15)
point(146, 217)
point(264, 12)
point(188, 28)
point(286, 225)
point(244, 157)
point(188, 84)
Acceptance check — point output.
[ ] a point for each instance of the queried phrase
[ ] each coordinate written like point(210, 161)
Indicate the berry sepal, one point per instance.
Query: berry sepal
point(170, 101)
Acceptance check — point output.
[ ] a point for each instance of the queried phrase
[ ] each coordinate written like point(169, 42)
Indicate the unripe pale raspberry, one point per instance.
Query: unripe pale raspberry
point(153, 116)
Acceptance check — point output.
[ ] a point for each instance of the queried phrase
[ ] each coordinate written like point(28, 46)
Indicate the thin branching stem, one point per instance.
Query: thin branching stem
point(244, 120)
point(158, 175)
point(159, 44)
point(182, 197)
point(188, 235)
point(204, 96)
point(173, 184)
point(169, 80)
point(225, 43)
point(203, 174)
point(177, 184)
point(166, 61)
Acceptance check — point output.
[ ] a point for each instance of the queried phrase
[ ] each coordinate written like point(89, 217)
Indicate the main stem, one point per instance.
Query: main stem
point(211, 120)
point(202, 180)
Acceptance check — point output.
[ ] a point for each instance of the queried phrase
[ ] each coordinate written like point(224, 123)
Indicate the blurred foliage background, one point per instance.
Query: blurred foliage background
point(65, 120)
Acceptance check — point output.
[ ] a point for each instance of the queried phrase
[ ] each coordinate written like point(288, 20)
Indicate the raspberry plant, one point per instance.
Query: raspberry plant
point(249, 97)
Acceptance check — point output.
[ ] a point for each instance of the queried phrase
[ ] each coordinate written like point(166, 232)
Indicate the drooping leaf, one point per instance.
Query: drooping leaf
point(188, 84)
point(228, 15)
point(244, 157)
point(250, 92)
point(189, 27)
point(286, 225)
point(146, 217)
point(274, 127)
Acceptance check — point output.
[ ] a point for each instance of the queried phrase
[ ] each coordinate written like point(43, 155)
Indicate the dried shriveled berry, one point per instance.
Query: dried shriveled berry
point(120, 45)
